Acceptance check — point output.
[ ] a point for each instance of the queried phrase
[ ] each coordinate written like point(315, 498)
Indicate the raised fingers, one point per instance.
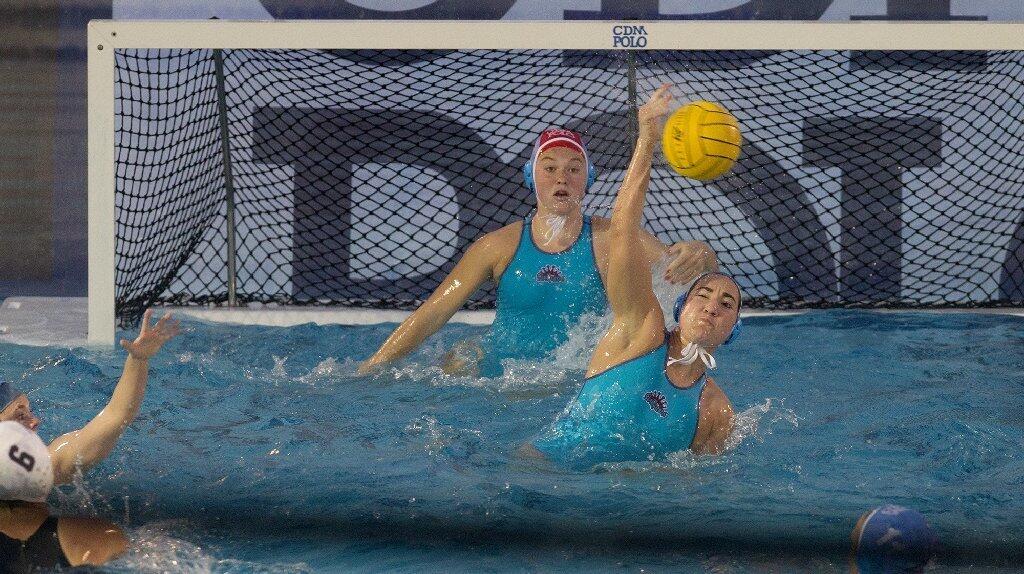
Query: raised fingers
point(163, 321)
point(675, 267)
point(173, 328)
point(168, 327)
point(145, 320)
point(663, 92)
point(662, 96)
point(684, 266)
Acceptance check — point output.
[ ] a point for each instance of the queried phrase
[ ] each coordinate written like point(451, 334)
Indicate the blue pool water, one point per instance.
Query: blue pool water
point(259, 449)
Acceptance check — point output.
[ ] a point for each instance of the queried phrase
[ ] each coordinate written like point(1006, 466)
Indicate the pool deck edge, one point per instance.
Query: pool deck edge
point(63, 321)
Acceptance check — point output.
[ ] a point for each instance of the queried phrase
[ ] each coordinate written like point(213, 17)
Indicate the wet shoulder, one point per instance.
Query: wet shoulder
point(500, 246)
point(88, 541)
point(713, 396)
point(20, 520)
point(503, 236)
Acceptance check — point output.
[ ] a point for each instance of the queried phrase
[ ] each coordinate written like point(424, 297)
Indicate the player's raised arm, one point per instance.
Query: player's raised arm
point(86, 447)
point(630, 290)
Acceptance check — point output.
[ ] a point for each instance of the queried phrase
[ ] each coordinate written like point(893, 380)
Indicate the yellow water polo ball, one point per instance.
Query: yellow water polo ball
point(701, 140)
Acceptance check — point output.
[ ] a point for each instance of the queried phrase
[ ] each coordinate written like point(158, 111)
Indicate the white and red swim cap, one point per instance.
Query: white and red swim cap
point(557, 137)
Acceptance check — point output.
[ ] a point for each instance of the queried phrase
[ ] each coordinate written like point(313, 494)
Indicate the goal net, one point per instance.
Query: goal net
point(298, 173)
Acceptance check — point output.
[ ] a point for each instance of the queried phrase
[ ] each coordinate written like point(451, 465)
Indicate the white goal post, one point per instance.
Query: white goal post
point(106, 37)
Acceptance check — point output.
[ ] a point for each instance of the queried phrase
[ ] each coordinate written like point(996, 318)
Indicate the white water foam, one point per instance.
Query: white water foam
point(158, 548)
point(438, 435)
point(542, 376)
point(754, 423)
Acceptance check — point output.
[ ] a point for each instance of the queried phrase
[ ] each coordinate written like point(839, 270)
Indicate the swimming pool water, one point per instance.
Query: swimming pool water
point(260, 449)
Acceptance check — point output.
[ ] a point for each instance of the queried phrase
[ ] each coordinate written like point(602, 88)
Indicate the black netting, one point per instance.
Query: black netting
point(875, 178)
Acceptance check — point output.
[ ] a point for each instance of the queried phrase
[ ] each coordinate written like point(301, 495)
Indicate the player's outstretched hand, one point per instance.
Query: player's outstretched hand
point(151, 338)
point(652, 114)
point(687, 260)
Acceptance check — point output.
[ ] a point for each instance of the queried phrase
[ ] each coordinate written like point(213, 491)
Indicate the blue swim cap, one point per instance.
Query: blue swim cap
point(7, 394)
point(677, 309)
point(894, 540)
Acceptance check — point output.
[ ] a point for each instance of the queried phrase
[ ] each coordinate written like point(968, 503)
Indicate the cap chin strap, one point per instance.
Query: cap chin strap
point(692, 352)
point(555, 223)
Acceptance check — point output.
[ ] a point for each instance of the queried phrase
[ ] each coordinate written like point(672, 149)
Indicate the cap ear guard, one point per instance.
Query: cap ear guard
point(677, 309)
point(737, 328)
point(528, 175)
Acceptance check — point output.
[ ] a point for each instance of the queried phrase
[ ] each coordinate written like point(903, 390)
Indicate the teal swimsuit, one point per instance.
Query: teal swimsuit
point(540, 295)
point(629, 412)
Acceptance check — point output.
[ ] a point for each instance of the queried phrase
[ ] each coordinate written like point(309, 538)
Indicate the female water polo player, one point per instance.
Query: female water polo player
point(31, 539)
point(550, 268)
point(29, 469)
point(647, 393)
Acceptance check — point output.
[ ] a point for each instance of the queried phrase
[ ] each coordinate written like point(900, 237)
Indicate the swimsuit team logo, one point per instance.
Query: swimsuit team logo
point(657, 402)
point(550, 274)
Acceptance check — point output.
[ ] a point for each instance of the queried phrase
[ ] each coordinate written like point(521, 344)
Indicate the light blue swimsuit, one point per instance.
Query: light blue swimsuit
point(629, 412)
point(540, 295)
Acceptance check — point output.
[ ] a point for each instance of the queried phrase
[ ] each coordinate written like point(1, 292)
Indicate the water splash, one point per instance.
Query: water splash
point(156, 548)
point(442, 439)
point(575, 352)
point(549, 374)
point(417, 371)
point(546, 375)
point(760, 421)
point(153, 547)
point(330, 370)
point(278, 371)
point(78, 499)
point(527, 378)
point(756, 422)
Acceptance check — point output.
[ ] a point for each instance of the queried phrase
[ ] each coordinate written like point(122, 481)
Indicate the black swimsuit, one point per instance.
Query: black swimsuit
point(41, 550)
